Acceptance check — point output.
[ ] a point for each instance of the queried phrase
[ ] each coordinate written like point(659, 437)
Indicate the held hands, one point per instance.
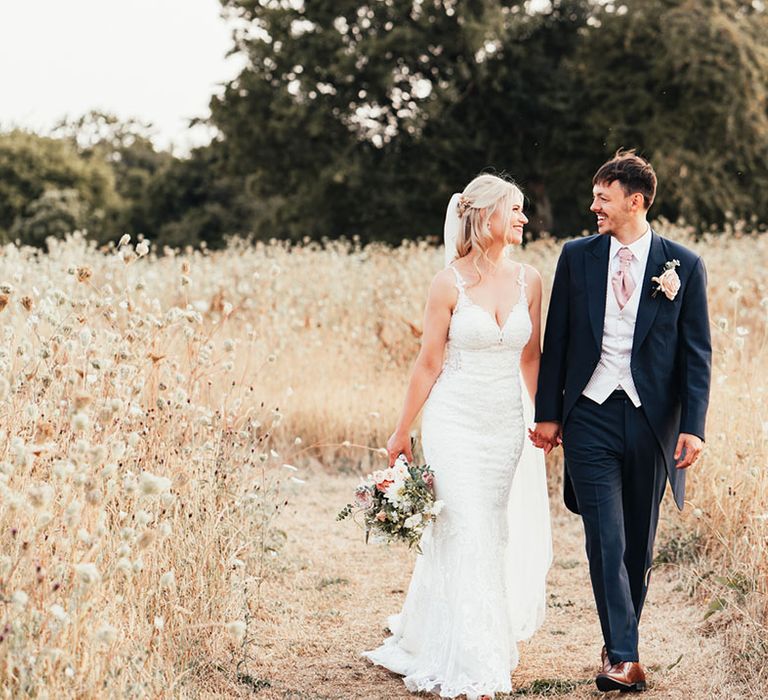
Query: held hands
point(546, 435)
point(688, 449)
point(399, 443)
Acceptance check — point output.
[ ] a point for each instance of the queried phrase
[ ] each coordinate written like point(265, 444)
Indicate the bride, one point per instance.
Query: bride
point(479, 586)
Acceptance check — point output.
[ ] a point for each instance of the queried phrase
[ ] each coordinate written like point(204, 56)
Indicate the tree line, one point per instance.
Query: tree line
point(361, 117)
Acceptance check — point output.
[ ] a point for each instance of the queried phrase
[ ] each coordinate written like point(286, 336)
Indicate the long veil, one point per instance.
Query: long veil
point(529, 548)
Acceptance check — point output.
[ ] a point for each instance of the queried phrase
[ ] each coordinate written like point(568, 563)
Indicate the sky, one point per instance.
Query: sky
point(155, 60)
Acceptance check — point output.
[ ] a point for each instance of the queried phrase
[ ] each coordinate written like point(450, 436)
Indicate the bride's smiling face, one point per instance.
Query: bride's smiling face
point(514, 229)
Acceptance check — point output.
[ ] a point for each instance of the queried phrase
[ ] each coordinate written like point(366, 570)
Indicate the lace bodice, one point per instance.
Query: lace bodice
point(473, 328)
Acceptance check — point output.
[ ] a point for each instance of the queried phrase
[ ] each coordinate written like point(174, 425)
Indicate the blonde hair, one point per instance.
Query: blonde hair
point(477, 203)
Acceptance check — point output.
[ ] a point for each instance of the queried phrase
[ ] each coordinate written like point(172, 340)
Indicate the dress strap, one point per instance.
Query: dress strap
point(521, 281)
point(460, 283)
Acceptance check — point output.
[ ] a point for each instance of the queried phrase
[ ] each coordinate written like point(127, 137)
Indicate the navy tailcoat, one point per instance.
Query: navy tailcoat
point(671, 350)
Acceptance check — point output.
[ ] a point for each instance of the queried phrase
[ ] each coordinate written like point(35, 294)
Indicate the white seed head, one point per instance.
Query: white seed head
point(237, 629)
point(151, 485)
point(87, 574)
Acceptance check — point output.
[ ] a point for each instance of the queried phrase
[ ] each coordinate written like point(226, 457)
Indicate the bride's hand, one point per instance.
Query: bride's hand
point(399, 443)
point(546, 435)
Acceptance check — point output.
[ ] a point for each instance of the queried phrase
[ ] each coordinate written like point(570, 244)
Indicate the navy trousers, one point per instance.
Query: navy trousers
point(618, 475)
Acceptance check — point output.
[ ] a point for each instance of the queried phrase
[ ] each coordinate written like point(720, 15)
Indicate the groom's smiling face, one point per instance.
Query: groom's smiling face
point(612, 206)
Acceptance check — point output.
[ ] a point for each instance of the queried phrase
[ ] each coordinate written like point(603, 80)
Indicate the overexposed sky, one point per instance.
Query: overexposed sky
point(156, 60)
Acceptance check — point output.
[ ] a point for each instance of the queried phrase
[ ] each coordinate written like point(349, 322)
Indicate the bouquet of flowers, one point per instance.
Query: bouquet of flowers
point(397, 503)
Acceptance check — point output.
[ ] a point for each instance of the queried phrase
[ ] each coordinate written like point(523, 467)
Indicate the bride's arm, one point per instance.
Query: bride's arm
point(429, 363)
point(531, 356)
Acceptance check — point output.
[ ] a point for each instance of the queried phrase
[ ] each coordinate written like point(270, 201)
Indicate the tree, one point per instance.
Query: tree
point(362, 118)
point(125, 145)
point(31, 165)
point(685, 82)
point(54, 213)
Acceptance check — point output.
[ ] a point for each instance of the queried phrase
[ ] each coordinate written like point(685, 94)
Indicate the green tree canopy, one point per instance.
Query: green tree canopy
point(684, 81)
point(31, 165)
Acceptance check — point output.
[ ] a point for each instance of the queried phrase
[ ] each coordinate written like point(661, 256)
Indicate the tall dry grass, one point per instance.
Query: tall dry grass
point(155, 407)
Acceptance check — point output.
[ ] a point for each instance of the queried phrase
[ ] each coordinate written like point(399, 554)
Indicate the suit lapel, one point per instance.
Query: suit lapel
point(596, 272)
point(649, 306)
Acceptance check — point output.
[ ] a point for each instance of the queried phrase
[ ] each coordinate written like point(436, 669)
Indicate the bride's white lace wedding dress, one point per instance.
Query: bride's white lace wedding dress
point(479, 585)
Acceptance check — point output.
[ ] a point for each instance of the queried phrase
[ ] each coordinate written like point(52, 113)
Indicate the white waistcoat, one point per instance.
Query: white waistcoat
point(613, 371)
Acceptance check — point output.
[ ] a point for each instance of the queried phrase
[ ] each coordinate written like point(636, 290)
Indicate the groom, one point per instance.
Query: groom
point(624, 387)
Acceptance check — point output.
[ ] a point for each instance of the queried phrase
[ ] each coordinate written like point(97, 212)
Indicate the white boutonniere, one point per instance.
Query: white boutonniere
point(667, 282)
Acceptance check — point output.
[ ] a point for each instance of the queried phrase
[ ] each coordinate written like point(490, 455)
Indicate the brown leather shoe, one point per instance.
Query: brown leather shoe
point(605, 662)
point(626, 676)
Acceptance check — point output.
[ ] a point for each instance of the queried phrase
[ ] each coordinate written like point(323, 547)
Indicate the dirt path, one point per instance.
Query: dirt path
point(332, 593)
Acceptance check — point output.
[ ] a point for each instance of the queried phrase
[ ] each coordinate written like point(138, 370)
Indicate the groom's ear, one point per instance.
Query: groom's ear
point(637, 202)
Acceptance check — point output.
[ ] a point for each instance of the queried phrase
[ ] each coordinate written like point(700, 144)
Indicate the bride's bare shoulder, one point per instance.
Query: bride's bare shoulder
point(442, 289)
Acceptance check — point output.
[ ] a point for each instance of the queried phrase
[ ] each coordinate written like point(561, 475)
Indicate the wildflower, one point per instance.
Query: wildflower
point(123, 565)
point(142, 248)
point(84, 273)
point(237, 629)
point(106, 634)
point(87, 574)
point(698, 513)
point(40, 495)
point(58, 612)
point(168, 580)
point(124, 240)
point(19, 600)
point(82, 399)
point(734, 287)
point(151, 485)
point(72, 513)
point(80, 422)
point(741, 331)
point(145, 538)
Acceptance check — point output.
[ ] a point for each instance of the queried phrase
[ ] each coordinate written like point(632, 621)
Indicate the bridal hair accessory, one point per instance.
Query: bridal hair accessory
point(463, 204)
point(668, 281)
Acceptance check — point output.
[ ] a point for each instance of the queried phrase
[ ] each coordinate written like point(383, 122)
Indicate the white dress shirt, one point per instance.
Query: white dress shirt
point(613, 371)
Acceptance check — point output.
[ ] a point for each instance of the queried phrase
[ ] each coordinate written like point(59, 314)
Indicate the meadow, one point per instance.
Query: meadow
point(160, 408)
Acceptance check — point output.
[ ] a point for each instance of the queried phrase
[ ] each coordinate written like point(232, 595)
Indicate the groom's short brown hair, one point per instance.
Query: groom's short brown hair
point(634, 173)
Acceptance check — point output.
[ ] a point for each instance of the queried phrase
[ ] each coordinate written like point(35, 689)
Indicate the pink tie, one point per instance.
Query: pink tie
point(623, 284)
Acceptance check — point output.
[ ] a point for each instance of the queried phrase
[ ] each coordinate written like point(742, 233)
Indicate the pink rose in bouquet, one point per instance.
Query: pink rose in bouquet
point(363, 497)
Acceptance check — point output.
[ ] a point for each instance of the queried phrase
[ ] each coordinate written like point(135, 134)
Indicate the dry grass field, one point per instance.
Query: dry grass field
point(179, 428)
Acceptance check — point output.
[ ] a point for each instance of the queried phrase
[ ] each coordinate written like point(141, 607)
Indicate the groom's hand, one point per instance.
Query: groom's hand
point(546, 435)
point(688, 450)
